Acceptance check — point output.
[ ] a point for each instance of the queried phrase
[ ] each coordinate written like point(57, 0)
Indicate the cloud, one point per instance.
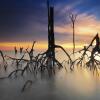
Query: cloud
point(65, 7)
point(85, 25)
point(28, 21)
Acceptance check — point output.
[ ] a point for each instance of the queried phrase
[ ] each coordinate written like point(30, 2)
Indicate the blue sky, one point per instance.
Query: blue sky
point(26, 20)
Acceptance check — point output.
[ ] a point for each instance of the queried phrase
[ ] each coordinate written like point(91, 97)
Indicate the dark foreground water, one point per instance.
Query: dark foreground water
point(77, 85)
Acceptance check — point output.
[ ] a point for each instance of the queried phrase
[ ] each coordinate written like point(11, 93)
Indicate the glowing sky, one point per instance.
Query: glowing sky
point(23, 21)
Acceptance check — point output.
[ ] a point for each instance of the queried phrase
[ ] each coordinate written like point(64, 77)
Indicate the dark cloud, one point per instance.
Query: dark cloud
point(27, 19)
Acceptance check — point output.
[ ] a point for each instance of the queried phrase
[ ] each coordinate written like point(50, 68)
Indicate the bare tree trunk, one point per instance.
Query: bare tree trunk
point(73, 20)
point(73, 38)
point(51, 38)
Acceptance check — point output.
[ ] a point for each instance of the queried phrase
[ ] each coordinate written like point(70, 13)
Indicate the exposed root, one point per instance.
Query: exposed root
point(27, 85)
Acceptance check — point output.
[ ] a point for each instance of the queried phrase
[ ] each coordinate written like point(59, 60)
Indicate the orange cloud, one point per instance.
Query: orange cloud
point(85, 25)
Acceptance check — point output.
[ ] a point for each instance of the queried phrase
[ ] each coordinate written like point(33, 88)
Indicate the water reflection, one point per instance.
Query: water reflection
point(80, 84)
point(81, 81)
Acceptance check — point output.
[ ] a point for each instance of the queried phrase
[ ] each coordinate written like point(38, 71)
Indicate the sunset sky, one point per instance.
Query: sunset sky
point(23, 21)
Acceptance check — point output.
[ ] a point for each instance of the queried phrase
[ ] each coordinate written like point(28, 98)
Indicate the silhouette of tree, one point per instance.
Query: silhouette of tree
point(15, 50)
point(73, 17)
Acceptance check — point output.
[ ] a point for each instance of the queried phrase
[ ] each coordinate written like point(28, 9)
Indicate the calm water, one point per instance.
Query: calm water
point(77, 85)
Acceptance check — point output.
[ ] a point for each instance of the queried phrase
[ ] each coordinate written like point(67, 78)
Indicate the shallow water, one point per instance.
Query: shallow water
point(63, 86)
point(77, 85)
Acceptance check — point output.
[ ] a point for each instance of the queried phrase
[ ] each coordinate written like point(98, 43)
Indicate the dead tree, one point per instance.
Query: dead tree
point(51, 39)
point(4, 60)
point(15, 50)
point(45, 61)
point(73, 20)
point(97, 46)
point(21, 50)
point(48, 59)
point(91, 62)
point(2, 55)
point(30, 53)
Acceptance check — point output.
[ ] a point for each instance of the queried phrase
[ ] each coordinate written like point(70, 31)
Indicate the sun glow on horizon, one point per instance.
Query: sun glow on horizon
point(38, 46)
